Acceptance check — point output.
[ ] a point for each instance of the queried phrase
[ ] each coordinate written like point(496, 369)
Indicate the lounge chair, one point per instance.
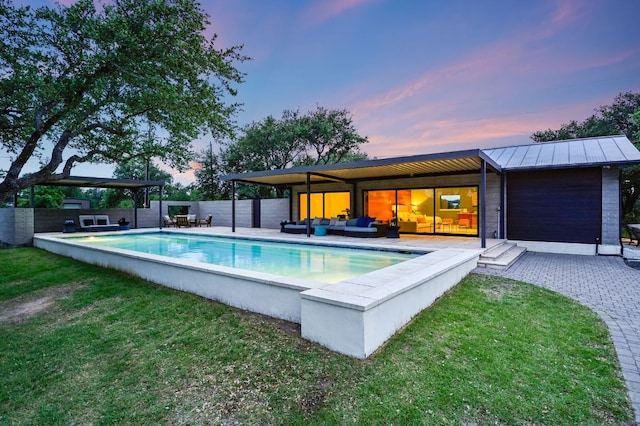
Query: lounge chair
point(167, 221)
point(182, 220)
point(205, 222)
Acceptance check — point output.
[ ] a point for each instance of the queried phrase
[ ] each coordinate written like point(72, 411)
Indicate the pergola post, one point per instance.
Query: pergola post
point(135, 208)
point(160, 190)
point(308, 204)
point(233, 206)
point(483, 203)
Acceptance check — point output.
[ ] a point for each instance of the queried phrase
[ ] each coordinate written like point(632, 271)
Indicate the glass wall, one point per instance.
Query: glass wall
point(325, 204)
point(452, 210)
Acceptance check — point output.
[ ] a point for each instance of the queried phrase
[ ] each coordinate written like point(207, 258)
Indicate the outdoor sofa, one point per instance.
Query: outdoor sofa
point(96, 223)
point(362, 227)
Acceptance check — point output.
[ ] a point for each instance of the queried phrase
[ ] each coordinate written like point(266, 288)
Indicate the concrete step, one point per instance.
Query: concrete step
point(501, 257)
point(497, 251)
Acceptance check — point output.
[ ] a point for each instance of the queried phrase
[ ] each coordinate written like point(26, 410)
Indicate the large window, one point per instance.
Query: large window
point(325, 204)
point(426, 210)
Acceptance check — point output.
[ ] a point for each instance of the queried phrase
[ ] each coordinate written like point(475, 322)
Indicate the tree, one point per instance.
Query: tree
point(614, 119)
point(330, 137)
point(208, 184)
point(318, 137)
point(85, 85)
point(621, 117)
point(45, 197)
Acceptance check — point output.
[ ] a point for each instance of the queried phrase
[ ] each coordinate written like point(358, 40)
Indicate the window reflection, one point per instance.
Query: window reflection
point(325, 204)
point(451, 210)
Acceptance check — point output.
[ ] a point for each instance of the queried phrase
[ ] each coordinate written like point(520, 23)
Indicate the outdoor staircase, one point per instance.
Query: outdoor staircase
point(501, 256)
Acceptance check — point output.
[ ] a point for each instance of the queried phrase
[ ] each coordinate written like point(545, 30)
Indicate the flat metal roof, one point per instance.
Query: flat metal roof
point(398, 167)
point(95, 182)
point(601, 151)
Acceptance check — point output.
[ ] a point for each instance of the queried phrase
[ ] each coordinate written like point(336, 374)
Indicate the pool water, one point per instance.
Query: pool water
point(329, 264)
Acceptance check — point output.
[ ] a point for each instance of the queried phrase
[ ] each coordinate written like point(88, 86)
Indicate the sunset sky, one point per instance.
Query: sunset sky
point(432, 76)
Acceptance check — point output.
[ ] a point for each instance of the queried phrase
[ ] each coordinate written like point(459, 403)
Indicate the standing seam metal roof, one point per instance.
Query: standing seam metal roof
point(600, 151)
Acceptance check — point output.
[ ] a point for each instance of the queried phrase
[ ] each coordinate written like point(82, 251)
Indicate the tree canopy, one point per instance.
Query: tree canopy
point(321, 136)
point(133, 79)
point(608, 120)
point(621, 117)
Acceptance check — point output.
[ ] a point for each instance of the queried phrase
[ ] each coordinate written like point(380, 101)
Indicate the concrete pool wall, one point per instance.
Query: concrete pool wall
point(353, 317)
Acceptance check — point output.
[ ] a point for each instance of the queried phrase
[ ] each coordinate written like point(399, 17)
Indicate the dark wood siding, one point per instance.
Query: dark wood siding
point(555, 205)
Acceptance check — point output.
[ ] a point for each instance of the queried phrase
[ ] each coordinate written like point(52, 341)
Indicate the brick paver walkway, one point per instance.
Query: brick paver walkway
point(606, 285)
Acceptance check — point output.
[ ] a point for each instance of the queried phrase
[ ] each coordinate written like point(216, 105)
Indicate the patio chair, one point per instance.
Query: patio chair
point(634, 233)
point(205, 222)
point(182, 220)
point(167, 221)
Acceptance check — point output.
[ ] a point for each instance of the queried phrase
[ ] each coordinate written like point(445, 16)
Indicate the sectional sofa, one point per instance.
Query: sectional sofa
point(362, 227)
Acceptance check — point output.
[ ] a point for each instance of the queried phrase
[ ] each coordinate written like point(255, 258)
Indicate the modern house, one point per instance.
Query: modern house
point(561, 196)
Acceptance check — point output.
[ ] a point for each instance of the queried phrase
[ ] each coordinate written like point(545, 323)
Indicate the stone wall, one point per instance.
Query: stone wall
point(16, 227)
point(611, 206)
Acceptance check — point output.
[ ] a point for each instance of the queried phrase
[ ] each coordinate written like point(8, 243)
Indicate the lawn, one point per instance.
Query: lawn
point(83, 344)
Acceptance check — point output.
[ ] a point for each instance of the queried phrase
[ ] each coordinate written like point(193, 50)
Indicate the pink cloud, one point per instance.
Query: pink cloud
point(518, 57)
point(441, 135)
point(322, 10)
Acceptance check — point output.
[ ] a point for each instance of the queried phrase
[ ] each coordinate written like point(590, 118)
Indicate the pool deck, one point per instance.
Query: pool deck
point(418, 242)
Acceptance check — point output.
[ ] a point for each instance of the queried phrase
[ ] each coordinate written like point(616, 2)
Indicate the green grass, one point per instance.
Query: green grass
point(116, 349)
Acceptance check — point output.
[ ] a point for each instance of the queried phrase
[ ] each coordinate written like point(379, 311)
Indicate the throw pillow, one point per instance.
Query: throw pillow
point(361, 222)
point(316, 221)
point(352, 222)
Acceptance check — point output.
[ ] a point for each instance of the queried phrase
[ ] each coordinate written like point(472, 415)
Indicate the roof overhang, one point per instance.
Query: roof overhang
point(459, 162)
point(95, 182)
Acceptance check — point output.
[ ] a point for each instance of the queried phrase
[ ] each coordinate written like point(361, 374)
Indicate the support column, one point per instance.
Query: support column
point(483, 203)
point(135, 208)
point(160, 222)
point(308, 204)
point(233, 206)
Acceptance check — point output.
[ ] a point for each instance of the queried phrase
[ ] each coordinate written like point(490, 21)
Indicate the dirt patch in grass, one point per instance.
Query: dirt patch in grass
point(315, 398)
point(497, 289)
point(22, 308)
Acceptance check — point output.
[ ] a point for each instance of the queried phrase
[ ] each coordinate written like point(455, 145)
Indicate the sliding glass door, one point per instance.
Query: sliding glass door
point(440, 210)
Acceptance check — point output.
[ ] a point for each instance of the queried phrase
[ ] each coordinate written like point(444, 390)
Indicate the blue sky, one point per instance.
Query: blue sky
point(432, 76)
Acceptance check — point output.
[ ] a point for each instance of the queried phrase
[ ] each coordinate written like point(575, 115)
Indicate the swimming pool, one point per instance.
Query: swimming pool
point(354, 316)
point(306, 261)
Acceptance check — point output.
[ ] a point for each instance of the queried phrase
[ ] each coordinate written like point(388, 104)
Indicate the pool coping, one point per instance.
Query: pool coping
point(355, 316)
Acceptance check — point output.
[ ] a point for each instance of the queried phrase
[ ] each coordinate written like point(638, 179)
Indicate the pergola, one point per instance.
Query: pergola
point(96, 182)
point(427, 165)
